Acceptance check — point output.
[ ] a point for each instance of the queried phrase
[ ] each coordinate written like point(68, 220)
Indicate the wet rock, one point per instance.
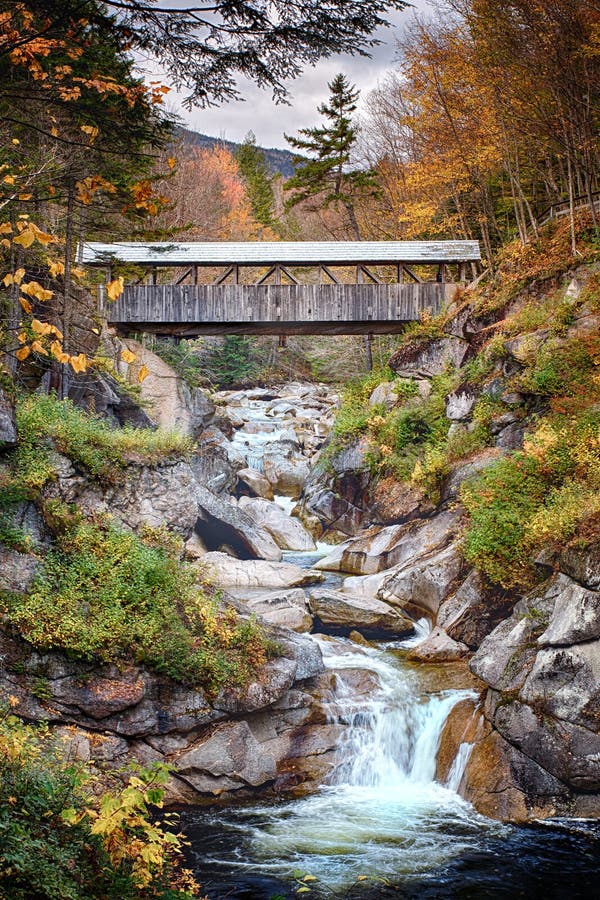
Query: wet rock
point(378, 549)
point(17, 571)
point(260, 574)
point(426, 359)
point(345, 611)
point(8, 422)
point(254, 484)
point(474, 610)
point(421, 587)
point(284, 607)
point(575, 616)
point(394, 502)
point(463, 725)
point(220, 522)
point(503, 783)
point(288, 533)
point(569, 752)
point(438, 647)
point(582, 564)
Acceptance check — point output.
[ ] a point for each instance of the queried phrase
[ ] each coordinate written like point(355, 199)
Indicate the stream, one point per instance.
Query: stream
point(382, 826)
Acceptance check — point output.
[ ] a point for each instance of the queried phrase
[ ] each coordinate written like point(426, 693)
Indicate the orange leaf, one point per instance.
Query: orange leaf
point(143, 373)
point(25, 304)
point(114, 288)
point(128, 357)
point(23, 353)
point(37, 346)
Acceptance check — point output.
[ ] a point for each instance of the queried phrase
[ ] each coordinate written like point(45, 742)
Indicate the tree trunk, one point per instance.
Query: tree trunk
point(67, 303)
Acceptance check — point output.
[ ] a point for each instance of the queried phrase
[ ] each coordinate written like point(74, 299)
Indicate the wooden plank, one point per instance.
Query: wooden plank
point(204, 308)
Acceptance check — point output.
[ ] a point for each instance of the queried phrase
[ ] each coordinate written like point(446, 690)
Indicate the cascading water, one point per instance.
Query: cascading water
point(382, 814)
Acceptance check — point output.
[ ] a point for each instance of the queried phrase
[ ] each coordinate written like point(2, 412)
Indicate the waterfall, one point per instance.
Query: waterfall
point(393, 739)
point(459, 764)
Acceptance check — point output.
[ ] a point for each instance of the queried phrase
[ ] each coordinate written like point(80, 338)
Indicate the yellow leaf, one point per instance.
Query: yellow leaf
point(78, 363)
point(25, 239)
point(171, 162)
point(22, 337)
point(77, 272)
point(41, 328)
point(9, 179)
point(37, 346)
point(25, 304)
point(23, 353)
point(56, 269)
point(57, 351)
point(35, 289)
point(143, 373)
point(8, 279)
point(25, 196)
point(128, 357)
point(19, 275)
point(91, 130)
point(16, 141)
point(114, 288)
point(42, 236)
point(5, 228)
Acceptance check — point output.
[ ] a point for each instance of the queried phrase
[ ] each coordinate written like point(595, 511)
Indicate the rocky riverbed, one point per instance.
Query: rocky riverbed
point(257, 513)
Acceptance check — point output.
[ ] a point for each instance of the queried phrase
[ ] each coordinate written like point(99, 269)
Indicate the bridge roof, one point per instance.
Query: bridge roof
point(269, 253)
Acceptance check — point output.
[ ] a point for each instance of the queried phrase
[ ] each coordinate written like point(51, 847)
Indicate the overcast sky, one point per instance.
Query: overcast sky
point(269, 121)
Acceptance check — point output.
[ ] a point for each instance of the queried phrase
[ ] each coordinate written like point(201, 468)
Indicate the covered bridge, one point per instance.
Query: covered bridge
point(328, 287)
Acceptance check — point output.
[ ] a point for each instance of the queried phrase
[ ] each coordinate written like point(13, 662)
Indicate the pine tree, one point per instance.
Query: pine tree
point(330, 146)
point(253, 168)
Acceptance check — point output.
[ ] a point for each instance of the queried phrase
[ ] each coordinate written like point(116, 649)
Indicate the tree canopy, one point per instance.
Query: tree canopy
point(204, 47)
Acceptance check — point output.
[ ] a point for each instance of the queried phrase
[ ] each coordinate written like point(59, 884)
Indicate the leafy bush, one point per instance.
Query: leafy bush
point(534, 497)
point(110, 595)
point(58, 841)
point(88, 441)
point(356, 416)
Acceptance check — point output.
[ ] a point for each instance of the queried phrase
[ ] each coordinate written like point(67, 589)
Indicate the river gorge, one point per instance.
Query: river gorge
point(384, 817)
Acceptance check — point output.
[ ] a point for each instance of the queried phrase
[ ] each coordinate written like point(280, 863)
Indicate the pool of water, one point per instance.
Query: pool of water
point(383, 826)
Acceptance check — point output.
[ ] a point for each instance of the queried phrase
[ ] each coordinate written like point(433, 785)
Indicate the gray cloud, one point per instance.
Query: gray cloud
point(269, 121)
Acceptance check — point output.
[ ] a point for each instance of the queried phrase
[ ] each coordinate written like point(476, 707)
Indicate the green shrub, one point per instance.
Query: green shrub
point(534, 497)
point(88, 441)
point(110, 595)
point(59, 842)
point(355, 414)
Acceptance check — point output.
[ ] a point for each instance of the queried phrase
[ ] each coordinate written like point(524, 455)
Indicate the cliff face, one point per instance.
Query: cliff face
point(96, 526)
point(470, 494)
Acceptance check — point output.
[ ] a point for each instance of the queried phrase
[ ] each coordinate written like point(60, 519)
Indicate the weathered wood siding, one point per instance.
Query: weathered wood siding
point(276, 309)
